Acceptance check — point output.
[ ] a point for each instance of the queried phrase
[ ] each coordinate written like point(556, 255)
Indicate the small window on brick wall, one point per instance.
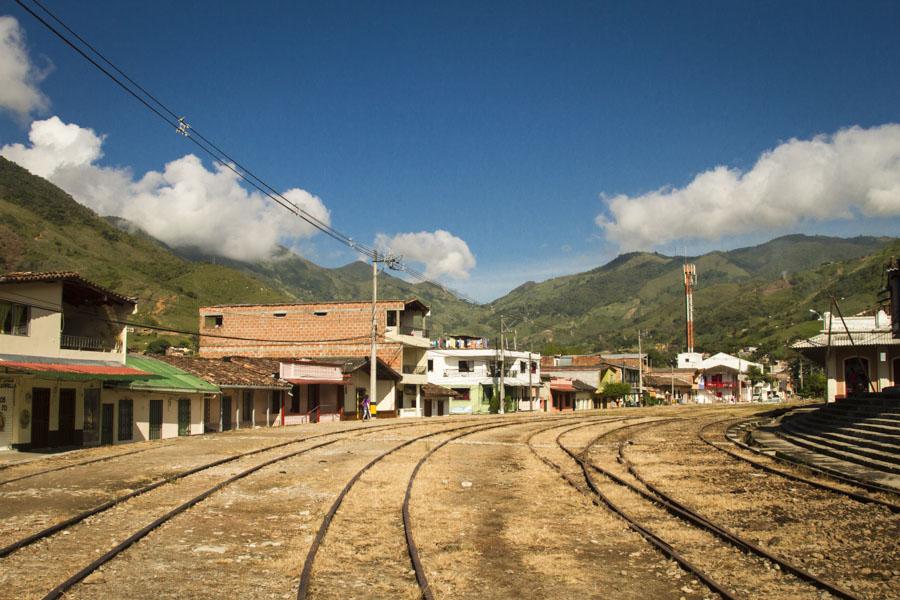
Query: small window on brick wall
point(212, 321)
point(392, 318)
point(280, 315)
point(320, 313)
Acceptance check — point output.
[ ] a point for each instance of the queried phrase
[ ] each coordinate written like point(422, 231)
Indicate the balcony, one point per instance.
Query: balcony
point(415, 370)
point(413, 331)
point(87, 343)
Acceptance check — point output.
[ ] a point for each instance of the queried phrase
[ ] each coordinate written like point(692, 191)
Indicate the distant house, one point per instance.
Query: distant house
point(675, 385)
point(859, 354)
point(598, 369)
point(560, 394)
point(723, 378)
point(469, 367)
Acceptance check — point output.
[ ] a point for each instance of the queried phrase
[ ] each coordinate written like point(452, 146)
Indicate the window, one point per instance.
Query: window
point(523, 368)
point(14, 318)
point(465, 366)
point(391, 318)
point(534, 366)
point(280, 315)
point(126, 419)
point(320, 313)
point(212, 321)
point(430, 365)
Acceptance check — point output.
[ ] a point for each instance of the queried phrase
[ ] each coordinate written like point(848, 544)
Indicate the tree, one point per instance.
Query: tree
point(158, 346)
point(756, 375)
point(615, 390)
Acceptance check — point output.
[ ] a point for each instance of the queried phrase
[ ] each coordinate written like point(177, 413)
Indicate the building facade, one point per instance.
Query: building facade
point(859, 354)
point(330, 333)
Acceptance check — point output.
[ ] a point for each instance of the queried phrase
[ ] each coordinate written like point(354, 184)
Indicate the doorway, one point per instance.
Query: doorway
point(106, 424)
point(90, 432)
point(184, 416)
point(313, 402)
point(40, 417)
point(156, 419)
point(226, 413)
point(66, 417)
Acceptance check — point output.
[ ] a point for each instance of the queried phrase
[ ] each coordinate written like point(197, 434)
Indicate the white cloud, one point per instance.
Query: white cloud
point(183, 205)
point(441, 252)
point(855, 172)
point(18, 77)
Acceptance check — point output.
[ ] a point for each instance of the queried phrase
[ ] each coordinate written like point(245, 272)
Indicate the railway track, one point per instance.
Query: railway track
point(734, 439)
point(306, 575)
point(647, 523)
point(182, 505)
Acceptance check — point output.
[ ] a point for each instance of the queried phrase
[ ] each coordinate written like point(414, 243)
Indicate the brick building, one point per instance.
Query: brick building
point(327, 331)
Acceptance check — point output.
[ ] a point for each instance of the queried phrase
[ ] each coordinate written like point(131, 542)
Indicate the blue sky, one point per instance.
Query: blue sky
point(504, 125)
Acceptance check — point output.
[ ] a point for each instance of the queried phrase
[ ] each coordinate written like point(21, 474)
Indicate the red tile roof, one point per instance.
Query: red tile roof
point(77, 369)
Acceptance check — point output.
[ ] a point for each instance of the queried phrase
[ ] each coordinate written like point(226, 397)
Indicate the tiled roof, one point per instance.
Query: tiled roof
point(69, 276)
point(431, 390)
point(227, 373)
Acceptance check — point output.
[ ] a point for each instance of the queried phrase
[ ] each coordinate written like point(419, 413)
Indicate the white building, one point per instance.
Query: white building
point(474, 373)
point(723, 378)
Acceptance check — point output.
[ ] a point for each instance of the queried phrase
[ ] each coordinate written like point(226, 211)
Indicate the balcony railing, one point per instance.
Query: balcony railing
point(413, 331)
point(83, 342)
point(414, 370)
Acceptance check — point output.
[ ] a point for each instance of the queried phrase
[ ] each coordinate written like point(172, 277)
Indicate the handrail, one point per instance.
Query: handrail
point(310, 412)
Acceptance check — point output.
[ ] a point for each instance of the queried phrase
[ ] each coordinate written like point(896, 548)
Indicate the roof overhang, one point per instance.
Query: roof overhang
point(67, 369)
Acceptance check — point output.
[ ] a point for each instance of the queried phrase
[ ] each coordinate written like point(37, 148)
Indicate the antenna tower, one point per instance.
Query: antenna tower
point(690, 280)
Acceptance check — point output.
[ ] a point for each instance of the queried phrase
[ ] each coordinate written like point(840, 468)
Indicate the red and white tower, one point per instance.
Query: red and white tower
point(690, 280)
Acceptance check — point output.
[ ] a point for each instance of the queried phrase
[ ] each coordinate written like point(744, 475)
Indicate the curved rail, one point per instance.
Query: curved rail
point(681, 510)
point(893, 507)
point(75, 519)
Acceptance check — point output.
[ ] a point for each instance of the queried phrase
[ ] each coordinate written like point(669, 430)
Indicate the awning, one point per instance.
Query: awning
point(75, 370)
point(562, 386)
point(163, 377)
point(313, 381)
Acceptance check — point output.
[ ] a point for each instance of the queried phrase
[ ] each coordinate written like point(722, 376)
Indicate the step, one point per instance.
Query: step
point(862, 428)
point(767, 441)
point(852, 437)
point(830, 450)
point(875, 420)
point(851, 446)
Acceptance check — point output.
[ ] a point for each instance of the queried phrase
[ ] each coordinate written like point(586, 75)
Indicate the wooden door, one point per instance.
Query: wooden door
point(184, 416)
point(106, 424)
point(156, 419)
point(40, 417)
point(90, 432)
point(66, 417)
point(427, 406)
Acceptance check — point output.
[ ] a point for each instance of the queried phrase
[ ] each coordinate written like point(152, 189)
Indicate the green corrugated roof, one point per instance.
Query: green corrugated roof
point(168, 378)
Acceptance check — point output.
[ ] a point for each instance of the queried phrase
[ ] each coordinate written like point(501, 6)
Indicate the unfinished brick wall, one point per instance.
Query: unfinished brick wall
point(299, 330)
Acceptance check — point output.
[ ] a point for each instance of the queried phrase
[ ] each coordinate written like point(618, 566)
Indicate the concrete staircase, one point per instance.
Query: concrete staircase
point(861, 430)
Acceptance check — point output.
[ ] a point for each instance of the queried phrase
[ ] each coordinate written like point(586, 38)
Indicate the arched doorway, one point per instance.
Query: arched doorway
point(856, 375)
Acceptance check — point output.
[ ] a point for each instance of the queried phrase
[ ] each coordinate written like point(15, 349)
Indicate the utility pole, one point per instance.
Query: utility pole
point(530, 397)
point(391, 261)
point(502, 368)
point(640, 371)
point(673, 383)
point(373, 358)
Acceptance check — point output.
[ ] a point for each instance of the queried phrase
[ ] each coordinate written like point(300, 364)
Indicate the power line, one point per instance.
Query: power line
point(214, 151)
point(160, 328)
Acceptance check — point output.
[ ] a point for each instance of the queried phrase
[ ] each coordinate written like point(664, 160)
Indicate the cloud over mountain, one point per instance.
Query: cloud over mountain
point(185, 204)
point(441, 252)
point(854, 172)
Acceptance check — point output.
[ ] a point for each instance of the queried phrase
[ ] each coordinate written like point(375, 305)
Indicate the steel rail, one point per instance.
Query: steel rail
point(893, 507)
point(77, 464)
point(411, 546)
point(599, 499)
point(81, 516)
point(679, 509)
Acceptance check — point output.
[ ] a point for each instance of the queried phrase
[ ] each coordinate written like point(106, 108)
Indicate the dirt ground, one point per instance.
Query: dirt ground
point(490, 518)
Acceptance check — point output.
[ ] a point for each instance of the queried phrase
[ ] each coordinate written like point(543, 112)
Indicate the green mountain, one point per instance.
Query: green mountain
point(757, 296)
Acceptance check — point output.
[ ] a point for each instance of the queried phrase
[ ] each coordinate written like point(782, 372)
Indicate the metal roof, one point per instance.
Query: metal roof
point(168, 378)
point(859, 338)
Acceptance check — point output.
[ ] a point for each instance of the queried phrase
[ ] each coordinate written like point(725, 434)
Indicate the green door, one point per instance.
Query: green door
point(184, 416)
point(156, 418)
point(106, 424)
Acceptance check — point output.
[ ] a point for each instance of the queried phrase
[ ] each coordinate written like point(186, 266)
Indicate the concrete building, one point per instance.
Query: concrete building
point(560, 394)
point(598, 369)
point(327, 332)
point(474, 374)
point(859, 354)
point(723, 378)
point(61, 341)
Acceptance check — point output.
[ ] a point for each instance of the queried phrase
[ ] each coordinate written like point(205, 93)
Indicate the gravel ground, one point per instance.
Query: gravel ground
point(490, 519)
